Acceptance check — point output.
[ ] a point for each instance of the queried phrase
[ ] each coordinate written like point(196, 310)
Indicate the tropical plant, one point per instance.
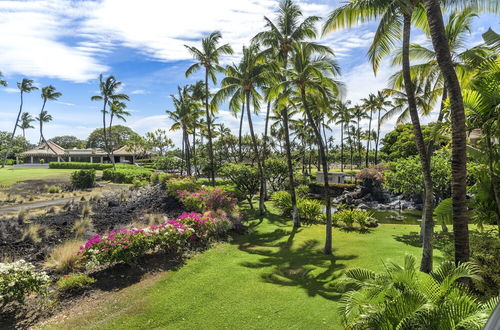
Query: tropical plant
point(404, 298)
point(25, 86)
point(208, 58)
point(26, 120)
point(245, 178)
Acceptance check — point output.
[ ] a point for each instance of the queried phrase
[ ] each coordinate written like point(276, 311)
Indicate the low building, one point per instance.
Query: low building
point(51, 152)
point(333, 177)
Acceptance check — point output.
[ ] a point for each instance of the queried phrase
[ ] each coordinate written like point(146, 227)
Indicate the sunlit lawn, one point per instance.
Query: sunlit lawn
point(9, 176)
point(272, 278)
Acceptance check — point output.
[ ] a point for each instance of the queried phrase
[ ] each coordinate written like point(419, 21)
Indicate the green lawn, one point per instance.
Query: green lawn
point(273, 278)
point(10, 176)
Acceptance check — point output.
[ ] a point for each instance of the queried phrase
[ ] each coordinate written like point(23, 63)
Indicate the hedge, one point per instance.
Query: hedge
point(80, 166)
point(126, 175)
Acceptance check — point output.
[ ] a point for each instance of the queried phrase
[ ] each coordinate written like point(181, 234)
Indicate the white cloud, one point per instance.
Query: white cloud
point(138, 92)
point(10, 90)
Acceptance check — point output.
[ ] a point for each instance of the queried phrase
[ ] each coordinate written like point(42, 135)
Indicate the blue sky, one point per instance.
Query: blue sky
point(141, 42)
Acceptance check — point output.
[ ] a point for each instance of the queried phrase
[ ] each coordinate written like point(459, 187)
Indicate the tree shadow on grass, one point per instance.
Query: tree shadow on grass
point(306, 266)
point(440, 240)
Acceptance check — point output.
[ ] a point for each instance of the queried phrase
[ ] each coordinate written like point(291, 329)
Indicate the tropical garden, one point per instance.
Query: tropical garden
point(249, 230)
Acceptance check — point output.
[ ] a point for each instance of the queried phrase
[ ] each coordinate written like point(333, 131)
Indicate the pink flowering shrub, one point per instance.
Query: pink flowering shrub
point(180, 185)
point(207, 199)
point(173, 235)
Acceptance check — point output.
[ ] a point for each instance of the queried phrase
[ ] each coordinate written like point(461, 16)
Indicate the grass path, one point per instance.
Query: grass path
point(273, 278)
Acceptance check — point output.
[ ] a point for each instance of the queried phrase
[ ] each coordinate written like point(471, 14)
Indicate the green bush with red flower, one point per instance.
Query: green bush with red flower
point(207, 199)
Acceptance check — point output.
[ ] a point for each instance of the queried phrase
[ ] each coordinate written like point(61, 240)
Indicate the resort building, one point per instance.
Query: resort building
point(51, 152)
point(333, 177)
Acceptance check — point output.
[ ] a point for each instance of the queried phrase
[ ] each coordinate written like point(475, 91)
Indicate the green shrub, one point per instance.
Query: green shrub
point(126, 175)
point(310, 209)
point(350, 217)
point(9, 162)
point(276, 170)
point(302, 190)
point(244, 177)
point(19, 279)
point(168, 163)
point(80, 166)
point(73, 282)
point(283, 202)
point(54, 189)
point(83, 179)
point(187, 184)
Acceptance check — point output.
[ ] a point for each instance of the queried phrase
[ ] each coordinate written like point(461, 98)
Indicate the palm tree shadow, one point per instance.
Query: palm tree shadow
point(305, 266)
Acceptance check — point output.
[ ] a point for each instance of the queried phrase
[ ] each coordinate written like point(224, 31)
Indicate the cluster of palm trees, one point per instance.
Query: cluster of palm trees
point(24, 119)
point(286, 69)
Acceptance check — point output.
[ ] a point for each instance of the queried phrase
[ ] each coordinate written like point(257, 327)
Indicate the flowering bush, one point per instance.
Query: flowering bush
point(18, 279)
point(172, 235)
point(207, 199)
point(187, 184)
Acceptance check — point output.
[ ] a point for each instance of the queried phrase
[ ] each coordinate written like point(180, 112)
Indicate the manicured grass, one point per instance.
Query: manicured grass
point(10, 176)
point(272, 278)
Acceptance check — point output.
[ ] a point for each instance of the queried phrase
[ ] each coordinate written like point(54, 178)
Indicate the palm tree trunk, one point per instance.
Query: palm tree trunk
point(342, 146)
point(257, 155)
point(210, 146)
point(458, 137)
point(240, 136)
point(378, 137)
point(183, 157)
point(106, 144)
point(325, 142)
point(369, 137)
point(359, 145)
point(328, 241)
point(264, 147)
point(7, 151)
point(42, 138)
point(427, 221)
point(188, 153)
point(194, 152)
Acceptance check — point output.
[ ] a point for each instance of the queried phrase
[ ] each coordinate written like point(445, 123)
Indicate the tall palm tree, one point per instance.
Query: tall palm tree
point(48, 93)
point(26, 120)
point(359, 113)
point(313, 77)
point(395, 22)
point(198, 95)
point(116, 109)
point(343, 117)
point(246, 79)
point(208, 58)
point(382, 102)
point(370, 104)
point(109, 91)
point(25, 86)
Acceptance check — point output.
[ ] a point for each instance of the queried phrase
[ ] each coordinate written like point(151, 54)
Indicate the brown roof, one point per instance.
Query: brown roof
point(131, 151)
point(44, 150)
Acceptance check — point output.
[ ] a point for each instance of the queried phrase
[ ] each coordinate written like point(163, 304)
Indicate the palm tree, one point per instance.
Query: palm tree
point(396, 20)
point(382, 102)
point(117, 109)
point(404, 298)
point(2, 82)
point(280, 36)
point(198, 95)
point(109, 92)
point(358, 113)
point(246, 79)
point(25, 86)
point(371, 104)
point(343, 117)
point(48, 93)
point(312, 77)
point(208, 57)
point(26, 120)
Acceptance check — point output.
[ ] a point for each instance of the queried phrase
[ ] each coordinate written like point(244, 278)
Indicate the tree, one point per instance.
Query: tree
point(119, 135)
point(198, 94)
point(312, 77)
point(117, 109)
point(68, 142)
point(369, 104)
point(381, 104)
point(18, 144)
point(26, 120)
point(280, 35)
point(395, 22)
point(404, 298)
point(342, 116)
point(245, 79)
point(48, 93)
point(159, 141)
point(208, 57)
point(109, 92)
point(25, 86)
point(359, 113)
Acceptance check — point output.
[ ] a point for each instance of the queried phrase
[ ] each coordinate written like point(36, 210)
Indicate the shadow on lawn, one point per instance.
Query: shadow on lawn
point(440, 240)
point(305, 266)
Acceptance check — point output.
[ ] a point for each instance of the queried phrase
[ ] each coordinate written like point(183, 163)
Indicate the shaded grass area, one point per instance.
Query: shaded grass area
point(10, 176)
point(275, 277)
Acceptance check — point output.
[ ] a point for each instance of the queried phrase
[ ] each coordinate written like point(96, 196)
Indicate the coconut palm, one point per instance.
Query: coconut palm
point(26, 120)
point(404, 298)
point(395, 23)
point(109, 92)
point(381, 105)
point(198, 95)
point(280, 35)
point(370, 104)
point(246, 79)
point(48, 93)
point(2, 82)
point(343, 116)
point(116, 109)
point(358, 113)
point(311, 73)
point(208, 57)
point(25, 86)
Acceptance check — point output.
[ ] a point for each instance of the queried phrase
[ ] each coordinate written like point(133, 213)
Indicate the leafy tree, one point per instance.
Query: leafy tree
point(404, 298)
point(19, 144)
point(25, 86)
point(244, 177)
point(208, 58)
point(276, 172)
point(159, 141)
point(118, 134)
point(26, 120)
point(68, 141)
point(400, 142)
